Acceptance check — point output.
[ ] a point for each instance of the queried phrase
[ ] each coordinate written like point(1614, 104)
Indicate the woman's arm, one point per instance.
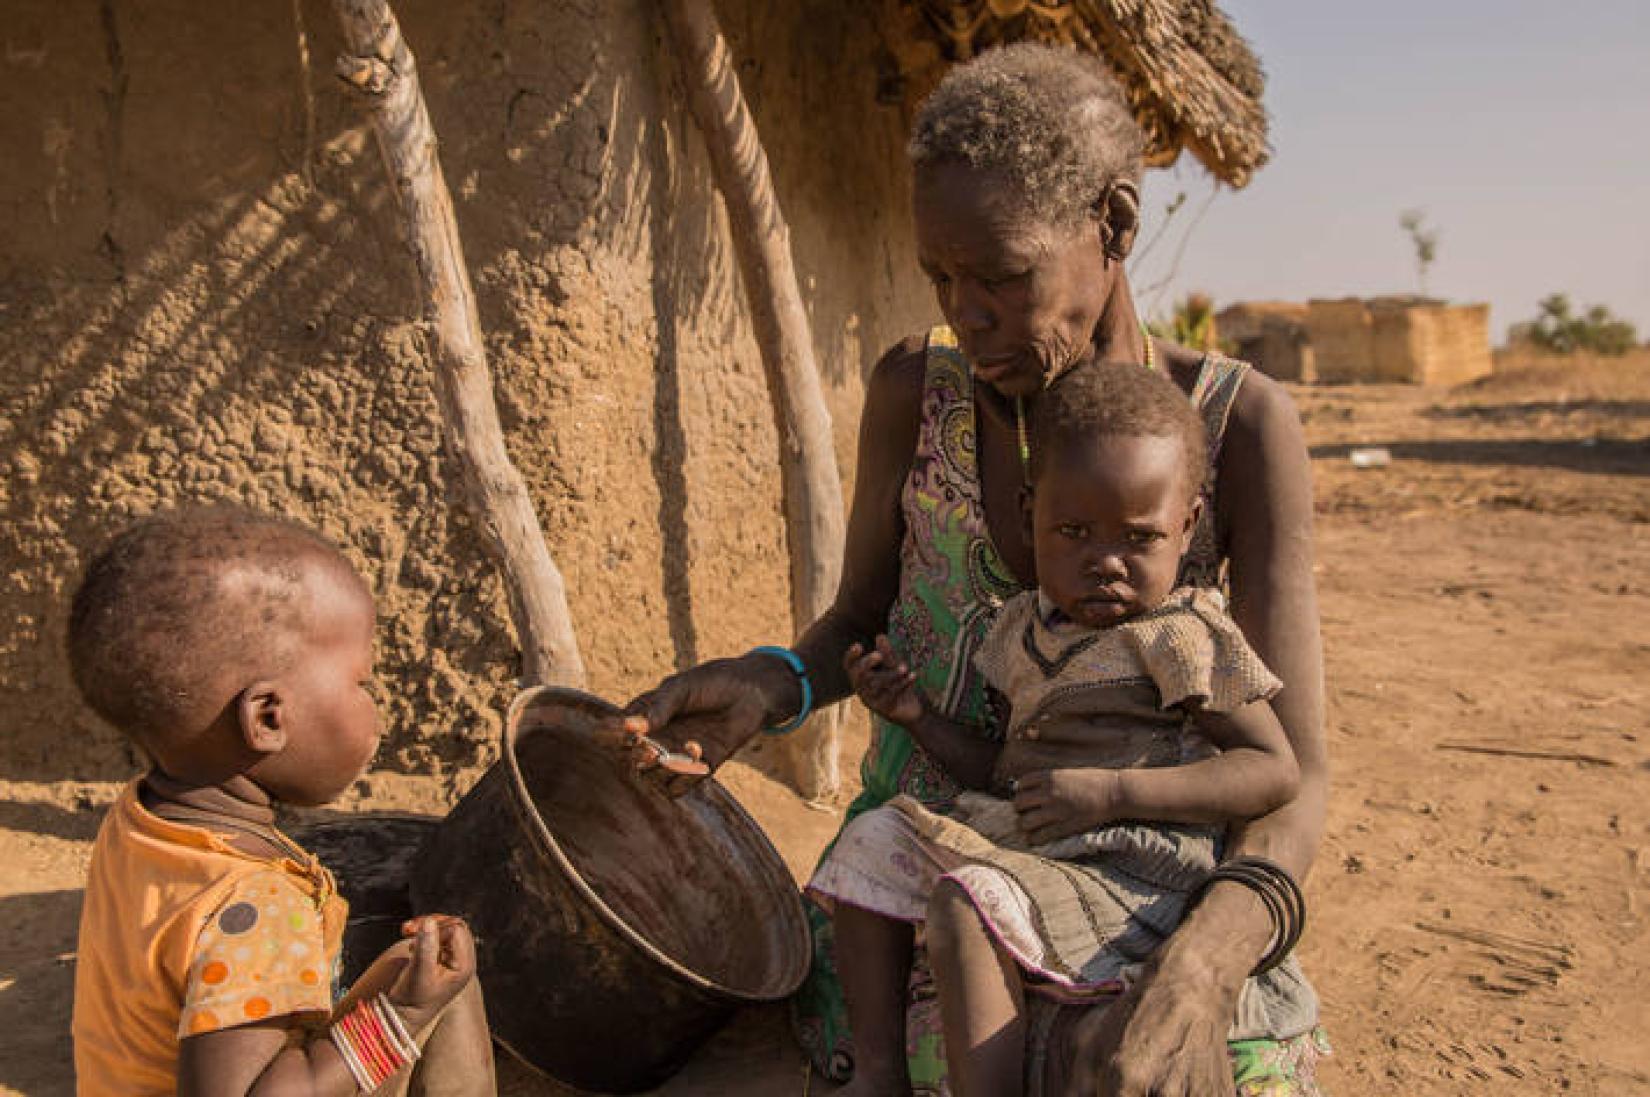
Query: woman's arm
point(722, 704)
point(888, 429)
point(1265, 493)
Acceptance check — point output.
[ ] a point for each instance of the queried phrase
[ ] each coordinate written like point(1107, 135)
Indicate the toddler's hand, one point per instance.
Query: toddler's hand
point(442, 963)
point(1054, 803)
point(884, 683)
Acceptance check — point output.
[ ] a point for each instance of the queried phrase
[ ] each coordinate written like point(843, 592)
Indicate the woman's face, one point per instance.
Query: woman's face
point(1023, 298)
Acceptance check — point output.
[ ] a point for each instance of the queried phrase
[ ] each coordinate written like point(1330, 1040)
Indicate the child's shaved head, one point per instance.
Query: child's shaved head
point(1097, 399)
point(184, 609)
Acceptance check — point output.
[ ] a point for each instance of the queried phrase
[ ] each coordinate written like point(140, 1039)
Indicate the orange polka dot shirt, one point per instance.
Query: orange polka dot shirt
point(183, 934)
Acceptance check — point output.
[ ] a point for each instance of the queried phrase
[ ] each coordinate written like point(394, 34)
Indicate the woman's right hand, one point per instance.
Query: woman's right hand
point(711, 710)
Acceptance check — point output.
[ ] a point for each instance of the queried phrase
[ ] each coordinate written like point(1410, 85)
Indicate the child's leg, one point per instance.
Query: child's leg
point(873, 956)
point(456, 1049)
point(982, 999)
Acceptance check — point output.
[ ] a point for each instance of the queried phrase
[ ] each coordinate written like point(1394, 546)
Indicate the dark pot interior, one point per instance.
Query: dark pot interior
point(693, 877)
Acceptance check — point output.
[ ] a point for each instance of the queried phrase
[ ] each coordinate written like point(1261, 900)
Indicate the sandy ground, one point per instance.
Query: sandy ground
point(1479, 908)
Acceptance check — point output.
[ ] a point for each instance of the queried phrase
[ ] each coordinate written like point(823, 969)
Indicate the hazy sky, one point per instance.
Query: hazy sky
point(1521, 129)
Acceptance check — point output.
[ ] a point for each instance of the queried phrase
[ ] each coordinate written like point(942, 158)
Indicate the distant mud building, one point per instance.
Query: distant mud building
point(1407, 340)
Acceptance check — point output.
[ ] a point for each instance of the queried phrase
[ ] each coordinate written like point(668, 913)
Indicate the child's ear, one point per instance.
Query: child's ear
point(261, 715)
point(1193, 513)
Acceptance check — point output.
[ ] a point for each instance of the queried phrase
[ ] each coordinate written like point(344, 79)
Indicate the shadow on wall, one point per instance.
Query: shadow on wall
point(239, 357)
point(205, 326)
point(208, 299)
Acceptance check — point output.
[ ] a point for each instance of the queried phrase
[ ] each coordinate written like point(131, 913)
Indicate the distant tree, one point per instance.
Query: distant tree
point(1192, 324)
point(1425, 240)
point(1557, 329)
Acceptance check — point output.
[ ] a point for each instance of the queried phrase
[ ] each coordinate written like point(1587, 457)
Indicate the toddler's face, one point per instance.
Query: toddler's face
point(1110, 520)
point(331, 720)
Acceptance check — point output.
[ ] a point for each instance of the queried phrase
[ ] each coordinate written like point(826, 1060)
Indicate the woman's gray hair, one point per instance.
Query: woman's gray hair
point(1048, 121)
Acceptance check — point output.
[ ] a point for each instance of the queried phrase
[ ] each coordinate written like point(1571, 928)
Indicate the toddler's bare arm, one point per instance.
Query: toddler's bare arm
point(888, 688)
point(1255, 773)
point(419, 976)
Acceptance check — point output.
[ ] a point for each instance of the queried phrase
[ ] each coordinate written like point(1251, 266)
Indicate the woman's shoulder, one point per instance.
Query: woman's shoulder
point(904, 364)
point(1263, 476)
point(896, 381)
point(1260, 403)
point(1263, 405)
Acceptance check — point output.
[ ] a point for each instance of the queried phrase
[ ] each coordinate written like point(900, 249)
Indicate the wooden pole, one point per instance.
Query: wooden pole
point(381, 67)
point(811, 483)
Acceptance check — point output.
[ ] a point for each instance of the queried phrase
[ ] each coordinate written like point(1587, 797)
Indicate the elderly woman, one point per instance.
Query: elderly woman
point(1026, 163)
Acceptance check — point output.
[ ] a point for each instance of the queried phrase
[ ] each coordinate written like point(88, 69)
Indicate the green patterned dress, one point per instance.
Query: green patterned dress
point(952, 582)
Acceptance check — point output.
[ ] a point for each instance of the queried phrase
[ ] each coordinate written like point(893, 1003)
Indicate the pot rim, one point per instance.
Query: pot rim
point(536, 696)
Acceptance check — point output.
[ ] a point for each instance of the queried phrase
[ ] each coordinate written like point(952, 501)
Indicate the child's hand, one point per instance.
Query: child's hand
point(1054, 803)
point(884, 683)
point(442, 963)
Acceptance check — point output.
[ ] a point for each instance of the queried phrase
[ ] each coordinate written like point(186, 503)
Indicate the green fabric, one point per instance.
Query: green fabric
point(951, 582)
point(1278, 1068)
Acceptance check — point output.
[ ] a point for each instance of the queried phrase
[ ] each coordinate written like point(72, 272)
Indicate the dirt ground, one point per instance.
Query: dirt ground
point(1479, 908)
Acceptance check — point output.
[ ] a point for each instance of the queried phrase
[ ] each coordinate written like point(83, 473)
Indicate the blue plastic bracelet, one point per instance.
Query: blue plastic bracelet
point(793, 661)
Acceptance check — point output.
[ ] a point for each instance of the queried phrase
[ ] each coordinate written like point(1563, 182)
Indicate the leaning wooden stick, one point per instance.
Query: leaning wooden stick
point(761, 240)
point(380, 66)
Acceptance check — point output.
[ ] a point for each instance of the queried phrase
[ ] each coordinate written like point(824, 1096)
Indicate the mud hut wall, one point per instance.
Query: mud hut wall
point(1432, 344)
point(206, 297)
point(1271, 336)
point(1396, 338)
point(1460, 348)
point(1283, 353)
point(1342, 340)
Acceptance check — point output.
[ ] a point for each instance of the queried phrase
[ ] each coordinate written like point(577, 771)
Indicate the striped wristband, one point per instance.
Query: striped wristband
point(373, 1041)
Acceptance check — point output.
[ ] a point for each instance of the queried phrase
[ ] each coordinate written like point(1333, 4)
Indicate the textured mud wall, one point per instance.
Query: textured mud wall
point(1398, 339)
point(1342, 345)
point(1271, 335)
point(1432, 345)
point(204, 295)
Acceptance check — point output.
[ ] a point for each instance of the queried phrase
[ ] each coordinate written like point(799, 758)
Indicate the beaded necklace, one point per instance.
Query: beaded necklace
point(1020, 415)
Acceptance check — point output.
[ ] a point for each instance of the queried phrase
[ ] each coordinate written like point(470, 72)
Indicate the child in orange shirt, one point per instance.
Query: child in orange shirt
point(235, 650)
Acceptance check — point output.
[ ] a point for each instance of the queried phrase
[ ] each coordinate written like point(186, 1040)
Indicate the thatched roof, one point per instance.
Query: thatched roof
point(1193, 81)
